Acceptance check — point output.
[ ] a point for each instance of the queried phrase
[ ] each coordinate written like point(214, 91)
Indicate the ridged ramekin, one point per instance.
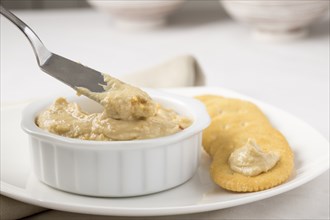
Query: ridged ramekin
point(117, 168)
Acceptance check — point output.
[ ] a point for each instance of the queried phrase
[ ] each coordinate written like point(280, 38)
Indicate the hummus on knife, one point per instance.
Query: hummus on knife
point(129, 113)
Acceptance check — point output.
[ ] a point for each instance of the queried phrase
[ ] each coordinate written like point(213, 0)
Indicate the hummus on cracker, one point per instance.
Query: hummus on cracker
point(250, 160)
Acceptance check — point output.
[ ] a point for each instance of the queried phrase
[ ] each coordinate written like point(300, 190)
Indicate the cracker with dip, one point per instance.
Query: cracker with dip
point(248, 154)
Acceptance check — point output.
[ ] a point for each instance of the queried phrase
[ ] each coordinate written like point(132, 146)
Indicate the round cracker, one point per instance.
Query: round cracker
point(233, 123)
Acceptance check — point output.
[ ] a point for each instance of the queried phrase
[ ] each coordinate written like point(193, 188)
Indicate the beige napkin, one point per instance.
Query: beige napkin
point(180, 71)
point(177, 72)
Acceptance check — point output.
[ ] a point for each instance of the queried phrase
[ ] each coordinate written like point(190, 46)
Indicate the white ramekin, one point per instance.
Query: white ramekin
point(117, 168)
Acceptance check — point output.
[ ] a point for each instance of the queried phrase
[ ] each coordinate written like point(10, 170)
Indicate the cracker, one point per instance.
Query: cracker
point(233, 122)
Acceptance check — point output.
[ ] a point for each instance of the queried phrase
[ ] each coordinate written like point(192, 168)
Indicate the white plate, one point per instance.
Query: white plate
point(197, 195)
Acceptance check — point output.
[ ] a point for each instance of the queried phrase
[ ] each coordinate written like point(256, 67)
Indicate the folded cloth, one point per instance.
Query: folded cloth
point(180, 71)
point(13, 209)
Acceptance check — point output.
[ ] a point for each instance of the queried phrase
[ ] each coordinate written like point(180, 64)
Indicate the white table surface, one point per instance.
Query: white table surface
point(293, 76)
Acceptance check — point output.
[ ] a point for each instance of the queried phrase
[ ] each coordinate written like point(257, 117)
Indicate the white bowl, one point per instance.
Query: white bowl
point(137, 14)
point(277, 19)
point(117, 168)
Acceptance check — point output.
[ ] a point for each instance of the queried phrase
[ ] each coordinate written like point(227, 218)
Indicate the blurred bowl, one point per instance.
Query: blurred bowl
point(138, 14)
point(277, 19)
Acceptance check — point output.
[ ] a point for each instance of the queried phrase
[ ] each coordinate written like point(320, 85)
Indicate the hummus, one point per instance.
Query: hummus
point(250, 160)
point(129, 114)
point(122, 101)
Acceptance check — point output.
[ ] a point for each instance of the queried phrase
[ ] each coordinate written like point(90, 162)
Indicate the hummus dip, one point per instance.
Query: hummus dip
point(129, 113)
point(251, 160)
point(122, 101)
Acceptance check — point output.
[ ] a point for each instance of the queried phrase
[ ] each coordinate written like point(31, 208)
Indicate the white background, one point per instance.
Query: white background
point(293, 76)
